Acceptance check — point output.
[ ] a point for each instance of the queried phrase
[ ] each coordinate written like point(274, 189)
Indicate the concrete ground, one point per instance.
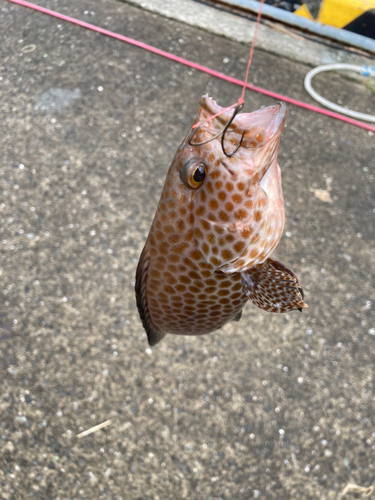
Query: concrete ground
point(273, 407)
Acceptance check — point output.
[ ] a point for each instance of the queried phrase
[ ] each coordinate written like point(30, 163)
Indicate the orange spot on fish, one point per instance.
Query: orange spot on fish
point(215, 261)
point(169, 289)
point(225, 284)
point(174, 258)
point(189, 235)
point(194, 275)
point(215, 174)
point(174, 238)
point(241, 214)
point(164, 247)
point(160, 264)
point(211, 238)
point(154, 273)
point(198, 233)
point(180, 248)
point(169, 278)
point(223, 216)
point(258, 216)
point(180, 225)
point(237, 302)
point(206, 225)
point(224, 300)
point(237, 198)
point(246, 232)
point(227, 254)
point(262, 202)
point(239, 246)
point(213, 204)
point(206, 273)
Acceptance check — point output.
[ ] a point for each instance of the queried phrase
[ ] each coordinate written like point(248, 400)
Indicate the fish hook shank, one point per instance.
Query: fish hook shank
point(222, 133)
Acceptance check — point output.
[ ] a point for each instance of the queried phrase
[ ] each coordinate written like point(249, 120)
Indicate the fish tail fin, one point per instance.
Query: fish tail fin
point(273, 287)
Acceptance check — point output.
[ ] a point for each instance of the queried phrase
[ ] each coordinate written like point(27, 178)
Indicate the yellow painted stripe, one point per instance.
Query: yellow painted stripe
point(303, 11)
point(339, 13)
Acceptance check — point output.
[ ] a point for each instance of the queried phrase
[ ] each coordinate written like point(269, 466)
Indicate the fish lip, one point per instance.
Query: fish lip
point(272, 118)
point(277, 124)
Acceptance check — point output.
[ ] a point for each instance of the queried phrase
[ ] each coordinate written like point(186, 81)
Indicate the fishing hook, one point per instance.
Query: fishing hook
point(222, 133)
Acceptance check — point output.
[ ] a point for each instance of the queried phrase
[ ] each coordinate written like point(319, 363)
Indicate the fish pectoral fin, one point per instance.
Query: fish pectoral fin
point(153, 334)
point(273, 287)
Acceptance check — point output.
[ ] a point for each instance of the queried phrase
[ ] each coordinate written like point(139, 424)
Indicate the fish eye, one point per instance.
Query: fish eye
point(194, 174)
point(199, 174)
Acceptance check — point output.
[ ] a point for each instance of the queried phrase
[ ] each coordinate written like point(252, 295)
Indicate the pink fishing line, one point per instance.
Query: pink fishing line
point(191, 64)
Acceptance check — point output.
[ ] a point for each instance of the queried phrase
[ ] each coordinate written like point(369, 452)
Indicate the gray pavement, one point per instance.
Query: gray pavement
point(273, 407)
point(273, 37)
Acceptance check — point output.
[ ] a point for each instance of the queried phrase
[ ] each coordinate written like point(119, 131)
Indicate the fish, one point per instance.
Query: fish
point(219, 219)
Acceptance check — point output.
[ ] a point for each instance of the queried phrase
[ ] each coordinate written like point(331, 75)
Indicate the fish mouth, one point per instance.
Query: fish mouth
point(257, 127)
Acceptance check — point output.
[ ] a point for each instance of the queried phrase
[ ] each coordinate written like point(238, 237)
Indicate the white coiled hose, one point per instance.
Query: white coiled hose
point(363, 70)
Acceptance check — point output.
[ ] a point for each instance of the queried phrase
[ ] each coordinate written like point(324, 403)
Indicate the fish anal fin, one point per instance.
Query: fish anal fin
point(237, 317)
point(273, 287)
point(153, 334)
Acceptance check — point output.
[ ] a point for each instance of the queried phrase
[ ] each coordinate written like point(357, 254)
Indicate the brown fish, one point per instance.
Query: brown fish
point(219, 219)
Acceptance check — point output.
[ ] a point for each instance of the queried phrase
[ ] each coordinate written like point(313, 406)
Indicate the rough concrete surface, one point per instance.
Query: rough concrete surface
point(273, 407)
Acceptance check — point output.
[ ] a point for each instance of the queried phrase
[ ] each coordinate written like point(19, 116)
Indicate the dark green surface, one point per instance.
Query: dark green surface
point(273, 407)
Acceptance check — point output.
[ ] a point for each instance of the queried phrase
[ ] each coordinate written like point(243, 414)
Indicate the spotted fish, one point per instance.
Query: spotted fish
point(218, 221)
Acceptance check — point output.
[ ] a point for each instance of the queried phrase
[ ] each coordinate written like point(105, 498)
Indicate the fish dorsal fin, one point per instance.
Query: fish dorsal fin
point(273, 287)
point(153, 335)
